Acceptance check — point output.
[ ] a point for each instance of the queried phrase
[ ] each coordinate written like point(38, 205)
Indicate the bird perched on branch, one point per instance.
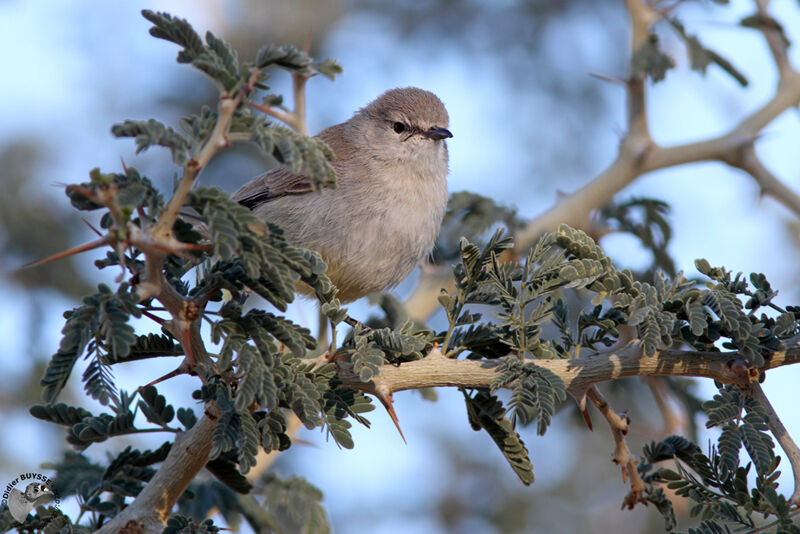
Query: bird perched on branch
point(21, 503)
point(381, 220)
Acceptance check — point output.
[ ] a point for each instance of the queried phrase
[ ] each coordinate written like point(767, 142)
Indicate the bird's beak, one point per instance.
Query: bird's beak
point(436, 133)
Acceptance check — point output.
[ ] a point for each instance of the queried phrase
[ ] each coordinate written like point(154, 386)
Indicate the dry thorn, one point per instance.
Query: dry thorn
point(386, 399)
point(76, 250)
point(181, 370)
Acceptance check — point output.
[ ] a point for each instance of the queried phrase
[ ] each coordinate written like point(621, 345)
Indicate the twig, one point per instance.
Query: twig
point(771, 524)
point(283, 116)
point(673, 423)
point(618, 423)
point(779, 431)
point(190, 451)
point(299, 93)
point(153, 506)
point(296, 118)
point(578, 374)
point(216, 140)
point(776, 46)
point(638, 155)
point(642, 17)
point(770, 185)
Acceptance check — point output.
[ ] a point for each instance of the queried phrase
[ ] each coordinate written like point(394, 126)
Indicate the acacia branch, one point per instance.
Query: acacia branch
point(638, 154)
point(578, 374)
point(189, 454)
point(776, 45)
point(619, 423)
point(787, 443)
point(153, 506)
point(642, 17)
point(216, 140)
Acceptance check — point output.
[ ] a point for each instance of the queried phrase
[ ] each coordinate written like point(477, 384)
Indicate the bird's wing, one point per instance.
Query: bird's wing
point(279, 182)
point(18, 505)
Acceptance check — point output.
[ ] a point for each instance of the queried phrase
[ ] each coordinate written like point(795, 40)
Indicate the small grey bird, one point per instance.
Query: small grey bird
point(20, 504)
point(381, 220)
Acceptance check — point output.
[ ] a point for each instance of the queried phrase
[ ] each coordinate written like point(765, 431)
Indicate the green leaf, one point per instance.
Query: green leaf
point(367, 358)
point(249, 439)
point(650, 333)
point(730, 442)
point(725, 407)
point(295, 337)
point(758, 443)
point(60, 413)
point(304, 399)
point(98, 382)
point(151, 133)
point(149, 346)
point(99, 428)
point(155, 407)
point(295, 505)
point(175, 30)
point(328, 68)
point(303, 155)
point(535, 390)
point(701, 57)
point(186, 417)
point(287, 57)
point(785, 324)
point(178, 524)
point(339, 403)
point(649, 60)
point(75, 337)
point(226, 472)
point(696, 313)
point(709, 526)
point(257, 383)
point(273, 432)
point(486, 411)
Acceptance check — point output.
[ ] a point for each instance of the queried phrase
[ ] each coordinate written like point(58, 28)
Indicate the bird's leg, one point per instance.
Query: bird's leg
point(332, 347)
point(353, 322)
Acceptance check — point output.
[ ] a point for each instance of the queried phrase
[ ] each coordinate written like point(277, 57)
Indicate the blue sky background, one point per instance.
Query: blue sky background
point(78, 67)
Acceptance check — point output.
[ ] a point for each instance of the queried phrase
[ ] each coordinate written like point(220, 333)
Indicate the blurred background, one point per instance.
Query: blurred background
point(528, 120)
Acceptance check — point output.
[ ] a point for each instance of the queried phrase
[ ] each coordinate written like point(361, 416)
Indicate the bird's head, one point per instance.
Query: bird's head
point(407, 126)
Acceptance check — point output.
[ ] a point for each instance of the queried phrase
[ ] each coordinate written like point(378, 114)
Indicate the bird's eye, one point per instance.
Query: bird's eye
point(399, 127)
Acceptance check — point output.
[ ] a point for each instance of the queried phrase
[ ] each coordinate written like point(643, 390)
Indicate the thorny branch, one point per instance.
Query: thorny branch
point(783, 437)
point(639, 154)
point(296, 118)
point(579, 375)
point(618, 423)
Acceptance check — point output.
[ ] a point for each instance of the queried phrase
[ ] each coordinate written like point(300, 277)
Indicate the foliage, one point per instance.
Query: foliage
point(562, 299)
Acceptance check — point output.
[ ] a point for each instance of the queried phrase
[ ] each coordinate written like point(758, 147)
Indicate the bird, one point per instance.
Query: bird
point(382, 218)
point(21, 503)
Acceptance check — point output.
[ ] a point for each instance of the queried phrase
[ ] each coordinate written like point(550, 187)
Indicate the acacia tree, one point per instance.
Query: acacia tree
point(564, 318)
